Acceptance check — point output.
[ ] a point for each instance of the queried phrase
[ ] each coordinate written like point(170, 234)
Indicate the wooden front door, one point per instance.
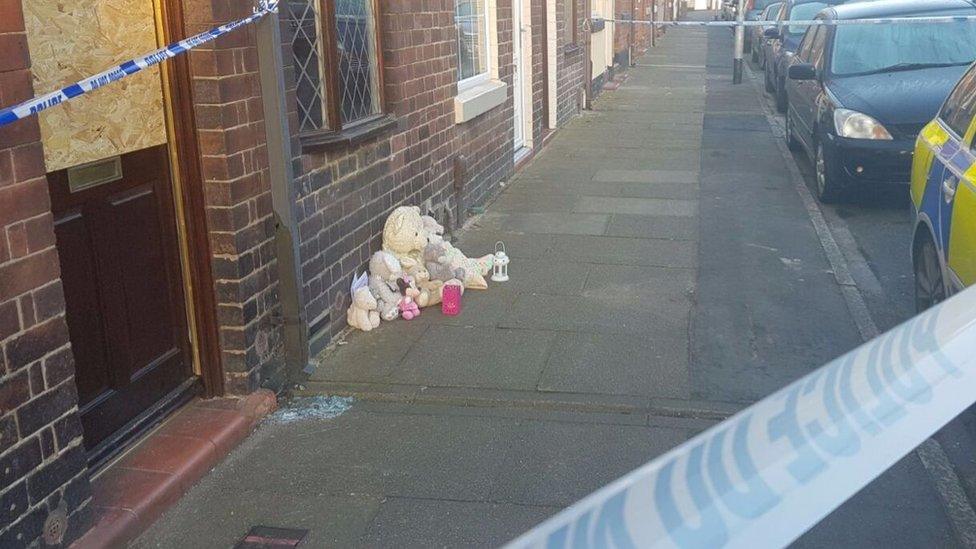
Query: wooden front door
point(123, 288)
point(112, 196)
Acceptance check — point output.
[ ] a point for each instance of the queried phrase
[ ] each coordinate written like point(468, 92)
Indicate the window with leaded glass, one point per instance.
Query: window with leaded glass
point(337, 64)
point(473, 42)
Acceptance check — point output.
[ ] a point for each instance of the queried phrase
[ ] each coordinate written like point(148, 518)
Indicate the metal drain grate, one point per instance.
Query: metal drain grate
point(265, 537)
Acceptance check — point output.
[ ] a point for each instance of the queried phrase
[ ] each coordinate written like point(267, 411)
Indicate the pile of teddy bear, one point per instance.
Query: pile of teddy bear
point(411, 271)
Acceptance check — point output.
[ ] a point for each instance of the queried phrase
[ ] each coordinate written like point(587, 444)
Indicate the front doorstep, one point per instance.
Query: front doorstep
point(130, 494)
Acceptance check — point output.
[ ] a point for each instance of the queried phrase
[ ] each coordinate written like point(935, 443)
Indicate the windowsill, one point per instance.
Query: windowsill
point(572, 49)
point(348, 137)
point(479, 99)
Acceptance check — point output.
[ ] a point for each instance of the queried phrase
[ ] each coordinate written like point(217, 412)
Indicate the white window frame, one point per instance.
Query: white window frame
point(487, 44)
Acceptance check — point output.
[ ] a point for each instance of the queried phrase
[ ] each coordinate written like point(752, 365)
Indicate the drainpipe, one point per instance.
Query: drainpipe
point(284, 202)
point(588, 53)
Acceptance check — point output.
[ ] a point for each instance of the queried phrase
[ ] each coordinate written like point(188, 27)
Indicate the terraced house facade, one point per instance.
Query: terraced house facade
point(192, 232)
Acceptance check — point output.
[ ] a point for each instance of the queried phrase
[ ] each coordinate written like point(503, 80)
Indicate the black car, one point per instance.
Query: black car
point(860, 94)
point(784, 40)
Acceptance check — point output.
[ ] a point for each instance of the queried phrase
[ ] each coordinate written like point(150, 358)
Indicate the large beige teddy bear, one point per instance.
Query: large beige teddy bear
point(404, 237)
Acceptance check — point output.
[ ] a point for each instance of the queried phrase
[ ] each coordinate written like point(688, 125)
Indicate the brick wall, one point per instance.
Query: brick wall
point(571, 61)
point(42, 460)
point(345, 195)
point(234, 164)
point(540, 114)
point(641, 10)
point(488, 141)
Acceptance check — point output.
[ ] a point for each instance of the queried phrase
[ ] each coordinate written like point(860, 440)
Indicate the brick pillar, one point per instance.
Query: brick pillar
point(230, 128)
point(42, 460)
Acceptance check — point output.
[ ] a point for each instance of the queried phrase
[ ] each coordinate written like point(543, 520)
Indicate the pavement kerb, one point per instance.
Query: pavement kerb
point(485, 398)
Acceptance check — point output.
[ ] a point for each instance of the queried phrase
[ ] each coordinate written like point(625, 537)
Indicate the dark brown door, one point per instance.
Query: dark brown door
point(126, 313)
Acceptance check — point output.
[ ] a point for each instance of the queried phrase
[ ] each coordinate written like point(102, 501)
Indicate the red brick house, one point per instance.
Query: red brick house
point(192, 231)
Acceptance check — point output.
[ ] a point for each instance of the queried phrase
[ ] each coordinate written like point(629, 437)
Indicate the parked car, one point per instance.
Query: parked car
point(754, 9)
point(758, 41)
point(729, 8)
point(785, 39)
point(944, 196)
point(860, 94)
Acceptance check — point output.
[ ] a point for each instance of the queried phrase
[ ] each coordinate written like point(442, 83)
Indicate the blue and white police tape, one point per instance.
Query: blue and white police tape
point(128, 68)
point(768, 474)
point(943, 19)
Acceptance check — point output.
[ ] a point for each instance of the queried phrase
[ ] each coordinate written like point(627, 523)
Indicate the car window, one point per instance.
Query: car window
point(803, 12)
point(906, 47)
point(803, 52)
point(817, 47)
point(771, 11)
point(958, 110)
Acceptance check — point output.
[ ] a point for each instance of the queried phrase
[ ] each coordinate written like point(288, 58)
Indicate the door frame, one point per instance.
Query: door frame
point(190, 205)
point(522, 90)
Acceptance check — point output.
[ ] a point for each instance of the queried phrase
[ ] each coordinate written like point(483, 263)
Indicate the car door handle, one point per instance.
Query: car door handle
point(949, 189)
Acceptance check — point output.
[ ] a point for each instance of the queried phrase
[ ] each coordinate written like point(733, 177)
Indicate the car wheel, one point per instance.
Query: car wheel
point(828, 189)
point(791, 141)
point(781, 99)
point(930, 286)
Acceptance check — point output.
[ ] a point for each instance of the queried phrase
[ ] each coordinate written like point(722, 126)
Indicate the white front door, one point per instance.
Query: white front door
point(518, 87)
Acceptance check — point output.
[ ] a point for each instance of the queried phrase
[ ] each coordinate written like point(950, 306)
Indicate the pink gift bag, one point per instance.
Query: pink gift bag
point(451, 304)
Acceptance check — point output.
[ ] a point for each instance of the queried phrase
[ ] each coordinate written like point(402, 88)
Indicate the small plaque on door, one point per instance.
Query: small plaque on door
point(93, 174)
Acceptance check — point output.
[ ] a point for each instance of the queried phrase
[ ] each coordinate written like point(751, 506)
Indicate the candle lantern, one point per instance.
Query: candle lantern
point(501, 262)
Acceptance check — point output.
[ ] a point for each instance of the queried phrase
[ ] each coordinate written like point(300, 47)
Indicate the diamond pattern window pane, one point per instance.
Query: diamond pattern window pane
point(358, 71)
point(472, 38)
point(307, 46)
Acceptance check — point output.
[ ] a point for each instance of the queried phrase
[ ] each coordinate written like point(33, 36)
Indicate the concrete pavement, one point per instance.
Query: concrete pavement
point(664, 275)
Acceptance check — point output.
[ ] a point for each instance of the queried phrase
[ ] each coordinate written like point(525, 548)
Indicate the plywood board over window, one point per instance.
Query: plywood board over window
point(72, 39)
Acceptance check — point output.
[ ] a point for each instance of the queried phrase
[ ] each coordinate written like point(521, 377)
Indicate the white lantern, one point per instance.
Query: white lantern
point(501, 262)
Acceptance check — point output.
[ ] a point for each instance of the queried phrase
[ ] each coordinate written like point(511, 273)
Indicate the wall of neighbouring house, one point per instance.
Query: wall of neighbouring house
point(234, 163)
point(42, 459)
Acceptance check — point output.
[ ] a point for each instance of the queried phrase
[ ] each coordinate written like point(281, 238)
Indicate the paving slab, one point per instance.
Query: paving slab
point(608, 313)
point(520, 245)
point(618, 365)
point(647, 226)
point(369, 356)
point(515, 203)
point(452, 356)
point(422, 523)
point(547, 223)
point(624, 251)
point(647, 176)
point(332, 520)
point(548, 457)
point(637, 206)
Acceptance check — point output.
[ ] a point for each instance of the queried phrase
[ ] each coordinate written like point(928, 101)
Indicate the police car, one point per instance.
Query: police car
point(944, 198)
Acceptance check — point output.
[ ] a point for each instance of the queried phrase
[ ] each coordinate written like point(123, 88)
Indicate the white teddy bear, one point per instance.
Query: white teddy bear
point(362, 314)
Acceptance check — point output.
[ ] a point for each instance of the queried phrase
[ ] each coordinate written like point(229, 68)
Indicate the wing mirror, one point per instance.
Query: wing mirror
point(771, 32)
point(803, 71)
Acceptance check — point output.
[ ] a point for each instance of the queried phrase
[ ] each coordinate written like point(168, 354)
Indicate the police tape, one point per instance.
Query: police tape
point(768, 474)
point(128, 68)
point(943, 19)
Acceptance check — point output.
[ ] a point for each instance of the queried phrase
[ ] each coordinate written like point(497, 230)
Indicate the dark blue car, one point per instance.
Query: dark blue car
point(860, 94)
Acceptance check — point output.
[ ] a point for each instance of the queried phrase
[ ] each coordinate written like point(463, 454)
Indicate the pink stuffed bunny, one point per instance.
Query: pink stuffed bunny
point(408, 304)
